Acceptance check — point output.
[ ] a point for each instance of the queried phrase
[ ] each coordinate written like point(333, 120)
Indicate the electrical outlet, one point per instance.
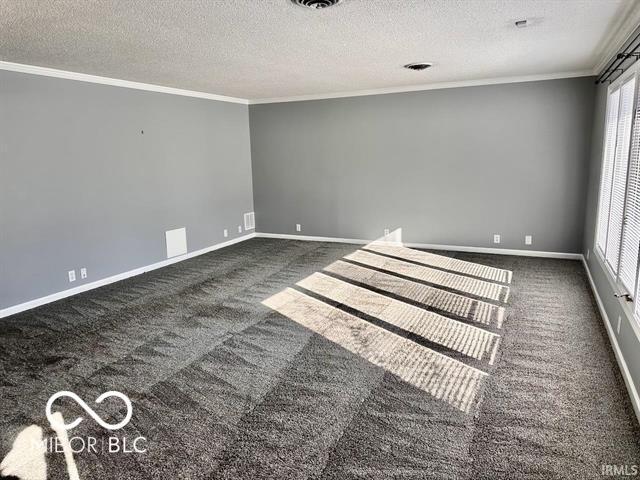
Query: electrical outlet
point(386, 232)
point(225, 233)
point(619, 319)
point(496, 238)
point(528, 239)
point(587, 254)
point(72, 275)
point(298, 227)
point(239, 228)
point(83, 273)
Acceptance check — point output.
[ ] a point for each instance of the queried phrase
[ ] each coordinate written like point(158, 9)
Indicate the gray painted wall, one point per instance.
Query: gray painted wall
point(629, 336)
point(81, 186)
point(447, 166)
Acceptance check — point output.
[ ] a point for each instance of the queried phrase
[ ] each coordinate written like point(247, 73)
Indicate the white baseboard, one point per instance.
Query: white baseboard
point(308, 238)
point(626, 375)
point(430, 246)
point(115, 278)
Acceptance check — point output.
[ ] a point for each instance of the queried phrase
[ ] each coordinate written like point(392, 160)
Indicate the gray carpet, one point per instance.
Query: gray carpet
point(267, 360)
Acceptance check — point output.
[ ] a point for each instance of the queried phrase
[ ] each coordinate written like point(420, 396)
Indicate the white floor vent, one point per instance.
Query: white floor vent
point(249, 221)
point(176, 242)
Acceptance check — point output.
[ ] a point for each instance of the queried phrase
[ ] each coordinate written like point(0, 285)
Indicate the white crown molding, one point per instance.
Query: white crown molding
point(83, 77)
point(618, 34)
point(428, 246)
point(5, 312)
point(429, 86)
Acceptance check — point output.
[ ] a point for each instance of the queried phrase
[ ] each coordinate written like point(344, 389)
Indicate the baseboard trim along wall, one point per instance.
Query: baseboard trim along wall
point(116, 278)
point(622, 364)
point(430, 246)
point(358, 241)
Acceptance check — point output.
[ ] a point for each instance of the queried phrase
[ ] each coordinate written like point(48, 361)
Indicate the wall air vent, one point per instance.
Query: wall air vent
point(176, 242)
point(316, 4)
point(249, 221)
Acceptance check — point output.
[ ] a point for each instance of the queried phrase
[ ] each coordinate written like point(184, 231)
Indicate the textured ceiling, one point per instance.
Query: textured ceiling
point(272, 48)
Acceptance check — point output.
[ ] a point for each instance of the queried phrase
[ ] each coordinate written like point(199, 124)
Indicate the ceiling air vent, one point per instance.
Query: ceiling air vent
point(316, 4)
point(418, 66)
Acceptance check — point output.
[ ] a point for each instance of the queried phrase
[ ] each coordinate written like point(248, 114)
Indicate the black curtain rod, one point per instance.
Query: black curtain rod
point(612, 67)
point(620, 58)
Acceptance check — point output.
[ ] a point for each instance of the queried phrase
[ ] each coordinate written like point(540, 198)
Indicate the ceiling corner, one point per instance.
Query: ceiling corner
point(618, 33)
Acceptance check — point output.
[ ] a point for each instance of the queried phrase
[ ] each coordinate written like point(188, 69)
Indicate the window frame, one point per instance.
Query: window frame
point(631, 308)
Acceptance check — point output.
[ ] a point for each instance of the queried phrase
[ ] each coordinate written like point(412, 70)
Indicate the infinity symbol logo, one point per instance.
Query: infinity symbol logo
point(53, 420)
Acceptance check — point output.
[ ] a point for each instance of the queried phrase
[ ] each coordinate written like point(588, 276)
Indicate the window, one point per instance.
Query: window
point(631, 233)
point(618, 225)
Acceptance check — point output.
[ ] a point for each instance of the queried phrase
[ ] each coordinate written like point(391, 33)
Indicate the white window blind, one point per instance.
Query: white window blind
point(620, 164)
point(618, 224)
point(631, 231)
point(613, 102)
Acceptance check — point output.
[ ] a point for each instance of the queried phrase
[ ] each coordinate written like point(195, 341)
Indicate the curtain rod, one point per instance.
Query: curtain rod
point(620, 58)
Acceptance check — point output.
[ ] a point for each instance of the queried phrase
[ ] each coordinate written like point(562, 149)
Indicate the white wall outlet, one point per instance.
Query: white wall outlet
point(239, 228)
point(587, 254)
point(528, 239)
point(298, 227)
point(496, 238)
point(225, 233)
point(618, 328)
point(72, 275)
point(386, 232)
point(83, 273)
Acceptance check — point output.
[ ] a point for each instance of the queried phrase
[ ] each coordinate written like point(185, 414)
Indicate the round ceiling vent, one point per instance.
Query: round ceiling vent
point(418, 65)
point(316, 4)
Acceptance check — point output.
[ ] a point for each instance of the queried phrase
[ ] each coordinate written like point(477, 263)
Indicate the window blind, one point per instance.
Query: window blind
point(620, 164)
point(631, 231)
point(606, 177)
